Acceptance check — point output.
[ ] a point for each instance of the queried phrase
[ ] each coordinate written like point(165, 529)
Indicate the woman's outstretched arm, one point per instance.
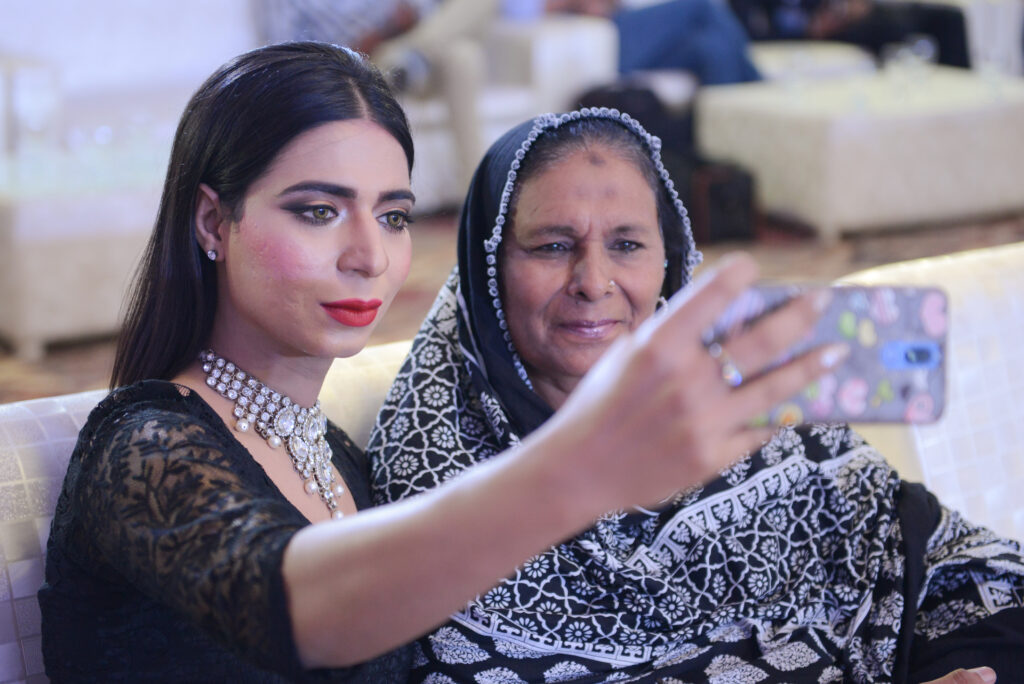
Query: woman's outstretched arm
point(654, 416)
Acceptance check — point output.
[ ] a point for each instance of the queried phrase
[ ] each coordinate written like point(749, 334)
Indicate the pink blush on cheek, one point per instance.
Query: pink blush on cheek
point(281, 259)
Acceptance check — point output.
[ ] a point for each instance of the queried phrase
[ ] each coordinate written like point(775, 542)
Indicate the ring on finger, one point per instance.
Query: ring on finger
point(730, 371)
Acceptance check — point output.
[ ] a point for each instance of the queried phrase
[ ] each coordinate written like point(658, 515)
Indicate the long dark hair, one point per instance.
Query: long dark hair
point(232, 129)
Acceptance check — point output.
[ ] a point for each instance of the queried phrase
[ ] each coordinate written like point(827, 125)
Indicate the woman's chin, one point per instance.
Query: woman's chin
point(576, 360)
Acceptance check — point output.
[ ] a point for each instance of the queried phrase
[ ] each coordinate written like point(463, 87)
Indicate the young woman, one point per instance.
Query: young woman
point(806, 561)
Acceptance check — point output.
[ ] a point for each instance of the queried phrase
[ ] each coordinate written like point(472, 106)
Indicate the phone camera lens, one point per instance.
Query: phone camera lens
point(917, 355)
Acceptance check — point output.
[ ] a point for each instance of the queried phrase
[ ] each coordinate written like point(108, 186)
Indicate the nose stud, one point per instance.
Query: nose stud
point(611, 285)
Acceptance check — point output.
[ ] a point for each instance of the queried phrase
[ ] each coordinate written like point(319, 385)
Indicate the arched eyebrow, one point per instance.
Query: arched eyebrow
point(345, 192)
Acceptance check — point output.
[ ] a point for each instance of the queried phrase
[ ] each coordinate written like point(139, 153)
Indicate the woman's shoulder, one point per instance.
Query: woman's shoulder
point(156, 405)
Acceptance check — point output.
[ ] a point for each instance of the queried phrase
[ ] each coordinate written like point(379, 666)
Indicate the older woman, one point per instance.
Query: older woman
point(808, 560)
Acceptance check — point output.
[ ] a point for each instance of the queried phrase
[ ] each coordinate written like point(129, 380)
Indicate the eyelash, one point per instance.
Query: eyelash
point(405, 218)
point(304, 213)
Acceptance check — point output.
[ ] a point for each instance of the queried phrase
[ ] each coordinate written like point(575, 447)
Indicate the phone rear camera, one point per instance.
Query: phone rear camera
point(918, 355)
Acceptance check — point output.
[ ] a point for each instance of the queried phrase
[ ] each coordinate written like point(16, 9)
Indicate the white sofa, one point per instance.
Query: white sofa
point(973, 458)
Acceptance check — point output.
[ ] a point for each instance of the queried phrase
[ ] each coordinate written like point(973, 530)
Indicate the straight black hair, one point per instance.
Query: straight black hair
point(232, 129)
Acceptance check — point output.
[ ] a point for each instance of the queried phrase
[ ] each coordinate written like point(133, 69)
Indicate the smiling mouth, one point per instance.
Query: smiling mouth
point(591, 330)
point(356, 313)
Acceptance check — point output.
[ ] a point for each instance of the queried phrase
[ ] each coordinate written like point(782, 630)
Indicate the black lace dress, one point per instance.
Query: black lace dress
point(164, 558)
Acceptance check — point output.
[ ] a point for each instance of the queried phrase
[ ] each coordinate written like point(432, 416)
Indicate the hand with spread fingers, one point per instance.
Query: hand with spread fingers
point(661, 395)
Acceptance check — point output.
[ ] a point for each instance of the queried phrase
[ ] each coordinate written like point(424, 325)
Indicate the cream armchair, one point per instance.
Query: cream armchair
point(488, 83)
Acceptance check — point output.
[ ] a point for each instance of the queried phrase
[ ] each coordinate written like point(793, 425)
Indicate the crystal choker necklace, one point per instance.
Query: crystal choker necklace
point(280, 421)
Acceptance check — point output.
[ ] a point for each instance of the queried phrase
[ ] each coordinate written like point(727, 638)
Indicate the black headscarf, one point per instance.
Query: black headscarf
point(480, 230)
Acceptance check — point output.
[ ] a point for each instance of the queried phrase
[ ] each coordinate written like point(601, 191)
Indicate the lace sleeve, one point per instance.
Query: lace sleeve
point(169, 503)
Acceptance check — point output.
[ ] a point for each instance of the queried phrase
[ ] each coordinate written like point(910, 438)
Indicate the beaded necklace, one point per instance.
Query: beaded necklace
point(280, 421)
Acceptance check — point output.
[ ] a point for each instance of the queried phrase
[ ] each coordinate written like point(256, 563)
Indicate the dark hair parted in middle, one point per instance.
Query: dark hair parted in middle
point(232, 129)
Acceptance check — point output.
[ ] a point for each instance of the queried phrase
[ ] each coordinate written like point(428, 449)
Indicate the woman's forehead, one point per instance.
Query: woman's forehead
point(594, 174)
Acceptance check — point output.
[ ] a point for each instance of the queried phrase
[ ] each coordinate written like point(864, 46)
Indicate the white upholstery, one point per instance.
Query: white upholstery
point(874, 151)
point(355, 387)
point(36, 439)
point(973, 458)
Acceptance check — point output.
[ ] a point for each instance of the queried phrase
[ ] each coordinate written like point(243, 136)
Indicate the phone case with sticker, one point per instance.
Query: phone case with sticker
point(896, 369)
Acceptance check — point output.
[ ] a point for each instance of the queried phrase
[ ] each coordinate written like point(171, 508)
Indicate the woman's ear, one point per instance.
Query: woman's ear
point(210, 221)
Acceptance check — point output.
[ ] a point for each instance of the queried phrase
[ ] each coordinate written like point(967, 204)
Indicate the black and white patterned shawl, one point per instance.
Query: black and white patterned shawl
point(807, 561)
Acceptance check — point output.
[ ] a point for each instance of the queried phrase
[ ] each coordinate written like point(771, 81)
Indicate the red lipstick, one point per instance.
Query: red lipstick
point(356, 313)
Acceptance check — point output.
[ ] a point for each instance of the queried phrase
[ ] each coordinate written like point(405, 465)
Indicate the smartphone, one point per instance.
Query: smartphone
point(896, 369)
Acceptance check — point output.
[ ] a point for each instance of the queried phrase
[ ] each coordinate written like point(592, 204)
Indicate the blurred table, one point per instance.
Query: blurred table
point(72, 227)
point(907, 145)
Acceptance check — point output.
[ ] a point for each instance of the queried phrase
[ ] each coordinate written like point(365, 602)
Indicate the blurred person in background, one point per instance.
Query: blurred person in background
point(424, 48)
point(867, 23)
point(700, 36)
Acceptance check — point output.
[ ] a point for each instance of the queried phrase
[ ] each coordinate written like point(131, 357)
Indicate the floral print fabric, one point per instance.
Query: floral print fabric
point(789, 567)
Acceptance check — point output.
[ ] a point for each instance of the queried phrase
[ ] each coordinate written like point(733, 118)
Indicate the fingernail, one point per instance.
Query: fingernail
point(987, 674)
point(821, 299)
point(833, 354)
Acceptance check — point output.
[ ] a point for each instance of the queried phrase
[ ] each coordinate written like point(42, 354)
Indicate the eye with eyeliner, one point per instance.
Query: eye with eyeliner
point(313, 214)
point(396, 220)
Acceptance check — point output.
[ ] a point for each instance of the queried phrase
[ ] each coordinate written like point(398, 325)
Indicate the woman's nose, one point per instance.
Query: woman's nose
point(362, 246)
point(591, 278)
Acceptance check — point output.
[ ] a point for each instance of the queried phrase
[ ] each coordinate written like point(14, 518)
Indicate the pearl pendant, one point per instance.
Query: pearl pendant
point(242, 425)
point(337, 515)
point(274, 441)
point(338, 489)
point(311, 487)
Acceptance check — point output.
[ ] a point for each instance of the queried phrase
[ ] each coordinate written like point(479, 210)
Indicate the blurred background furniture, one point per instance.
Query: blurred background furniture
point(912, 144)
point(531, 68)
point(994, 35)
point(72, 229)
